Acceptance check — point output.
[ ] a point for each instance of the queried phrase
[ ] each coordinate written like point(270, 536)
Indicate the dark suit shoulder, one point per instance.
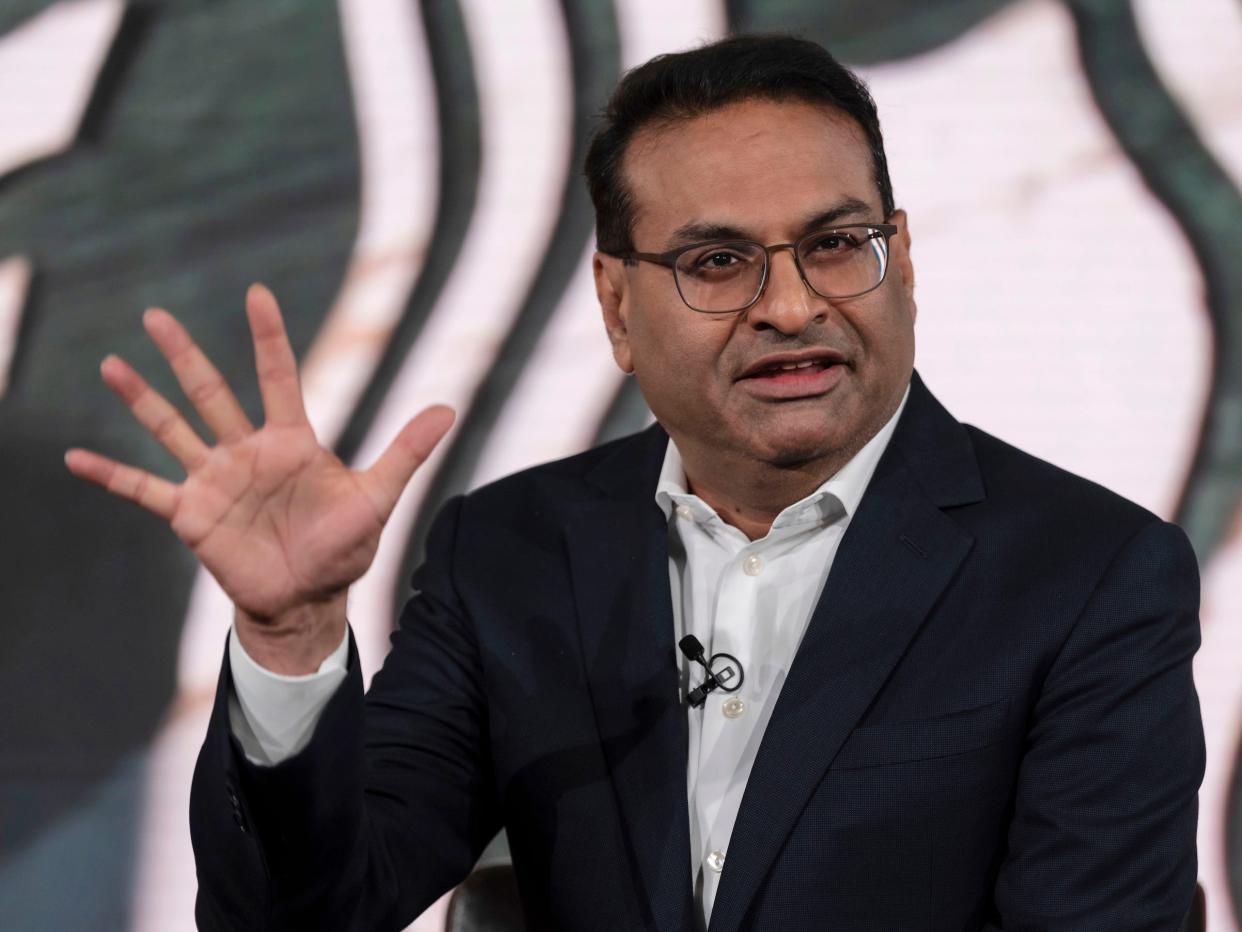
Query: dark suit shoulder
point(528, 509)
point(1067, 511)
point(575, 478)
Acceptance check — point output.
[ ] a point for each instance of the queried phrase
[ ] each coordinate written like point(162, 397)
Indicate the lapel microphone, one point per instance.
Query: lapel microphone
point(693, 649)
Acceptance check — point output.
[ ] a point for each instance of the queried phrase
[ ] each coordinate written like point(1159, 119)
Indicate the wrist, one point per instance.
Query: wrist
point(297, 641)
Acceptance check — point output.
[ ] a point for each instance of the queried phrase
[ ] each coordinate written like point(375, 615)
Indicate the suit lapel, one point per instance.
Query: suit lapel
point(618, 552)
point(898, 554)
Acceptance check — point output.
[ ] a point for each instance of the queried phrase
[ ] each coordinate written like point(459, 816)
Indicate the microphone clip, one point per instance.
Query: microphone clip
point(728, 679)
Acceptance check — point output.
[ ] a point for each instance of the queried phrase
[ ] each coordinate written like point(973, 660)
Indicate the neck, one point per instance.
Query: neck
point(749, 493)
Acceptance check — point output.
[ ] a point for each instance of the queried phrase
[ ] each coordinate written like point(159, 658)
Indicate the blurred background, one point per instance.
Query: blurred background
point(406, 177)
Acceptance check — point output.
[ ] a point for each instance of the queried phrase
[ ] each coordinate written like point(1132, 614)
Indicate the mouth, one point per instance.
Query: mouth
point(795, 375)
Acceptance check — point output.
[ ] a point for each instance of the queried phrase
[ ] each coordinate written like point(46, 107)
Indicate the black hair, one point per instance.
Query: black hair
point(683, 85)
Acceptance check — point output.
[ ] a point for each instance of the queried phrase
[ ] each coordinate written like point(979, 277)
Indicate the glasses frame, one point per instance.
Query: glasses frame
point(669, 260)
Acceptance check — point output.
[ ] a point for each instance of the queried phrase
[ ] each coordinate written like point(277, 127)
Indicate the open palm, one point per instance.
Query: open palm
point(275, 517)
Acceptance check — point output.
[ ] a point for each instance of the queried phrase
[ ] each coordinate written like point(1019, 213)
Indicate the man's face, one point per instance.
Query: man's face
point(765, 171)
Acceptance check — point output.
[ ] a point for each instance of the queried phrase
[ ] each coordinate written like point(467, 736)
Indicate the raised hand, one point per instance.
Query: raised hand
point(280, 522)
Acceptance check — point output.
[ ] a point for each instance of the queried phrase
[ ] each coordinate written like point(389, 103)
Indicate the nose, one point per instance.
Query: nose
point(787, 303)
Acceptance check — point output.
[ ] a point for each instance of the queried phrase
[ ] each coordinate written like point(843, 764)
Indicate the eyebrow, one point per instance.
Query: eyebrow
point(699, 232)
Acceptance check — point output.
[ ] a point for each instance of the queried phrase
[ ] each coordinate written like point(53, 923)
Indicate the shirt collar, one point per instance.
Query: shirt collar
point(839, 496)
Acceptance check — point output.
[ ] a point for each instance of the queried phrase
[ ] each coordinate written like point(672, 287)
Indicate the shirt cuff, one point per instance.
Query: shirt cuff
point(272, 715)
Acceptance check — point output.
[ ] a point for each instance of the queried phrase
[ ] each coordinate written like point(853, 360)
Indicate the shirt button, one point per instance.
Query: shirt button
point(715, 861)
point(752, 565)
point(683, 511)
point(733, 707)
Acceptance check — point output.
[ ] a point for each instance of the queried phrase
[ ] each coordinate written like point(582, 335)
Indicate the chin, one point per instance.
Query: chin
point(796, 458)
point(794, 449)
point(806, 437)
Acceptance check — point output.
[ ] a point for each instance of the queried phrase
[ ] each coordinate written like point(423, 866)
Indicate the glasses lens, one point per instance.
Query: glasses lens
point(720, 276)
point(844, 262)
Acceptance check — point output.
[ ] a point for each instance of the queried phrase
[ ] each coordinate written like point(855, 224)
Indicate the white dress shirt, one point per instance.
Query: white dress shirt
point(751, 599)
point(272, 715)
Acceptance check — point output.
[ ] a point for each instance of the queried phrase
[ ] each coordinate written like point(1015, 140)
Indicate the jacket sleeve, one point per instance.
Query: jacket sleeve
point(1104, 821)
point(388, 807)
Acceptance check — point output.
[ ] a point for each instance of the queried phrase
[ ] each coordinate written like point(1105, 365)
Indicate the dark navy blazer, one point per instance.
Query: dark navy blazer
point(990, 723)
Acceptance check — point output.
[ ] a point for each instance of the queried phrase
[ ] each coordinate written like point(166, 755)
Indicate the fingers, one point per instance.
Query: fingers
point(274, 360)
point(199, 379)
point(151, 492)
point(153, 412)
point(387, 478)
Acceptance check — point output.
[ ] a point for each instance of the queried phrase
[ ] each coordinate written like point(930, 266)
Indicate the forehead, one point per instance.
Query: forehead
point(758, 165)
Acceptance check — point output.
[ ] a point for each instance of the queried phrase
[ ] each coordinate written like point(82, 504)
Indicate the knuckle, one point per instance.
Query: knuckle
point(277, 372)
point(164, 428)
point(204, 391)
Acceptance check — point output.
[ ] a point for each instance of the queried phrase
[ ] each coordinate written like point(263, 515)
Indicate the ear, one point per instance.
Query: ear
point(899, 257)
point(610, 288)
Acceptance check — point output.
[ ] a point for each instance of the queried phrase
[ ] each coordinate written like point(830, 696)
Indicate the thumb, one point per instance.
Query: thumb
point(388, 476)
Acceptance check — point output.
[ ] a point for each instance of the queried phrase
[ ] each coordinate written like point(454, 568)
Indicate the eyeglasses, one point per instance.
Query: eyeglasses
point(728, 276)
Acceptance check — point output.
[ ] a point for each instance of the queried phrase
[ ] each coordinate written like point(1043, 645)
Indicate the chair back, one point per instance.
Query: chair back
point(1196, 918)
point(487, 901)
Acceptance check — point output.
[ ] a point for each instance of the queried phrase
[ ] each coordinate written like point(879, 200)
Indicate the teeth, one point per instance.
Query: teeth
point(787, 366)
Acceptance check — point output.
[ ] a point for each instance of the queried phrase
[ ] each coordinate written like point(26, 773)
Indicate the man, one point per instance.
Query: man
point(961, 691)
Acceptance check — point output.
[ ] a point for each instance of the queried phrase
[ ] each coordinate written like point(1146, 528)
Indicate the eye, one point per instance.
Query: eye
point(719, 260)
point(833, 247)
point(833, 241)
